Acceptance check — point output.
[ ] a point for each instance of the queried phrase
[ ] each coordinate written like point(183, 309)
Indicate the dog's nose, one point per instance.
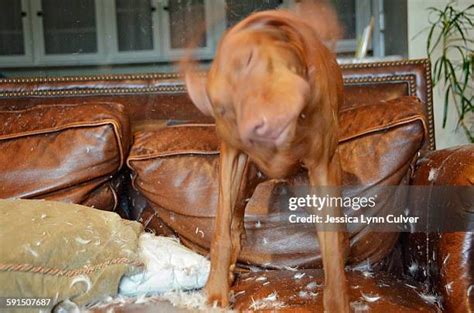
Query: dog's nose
point(260, 130)
point(252, 129)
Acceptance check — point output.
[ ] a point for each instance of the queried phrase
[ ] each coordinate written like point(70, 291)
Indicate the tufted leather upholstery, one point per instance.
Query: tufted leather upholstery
point(162, 96)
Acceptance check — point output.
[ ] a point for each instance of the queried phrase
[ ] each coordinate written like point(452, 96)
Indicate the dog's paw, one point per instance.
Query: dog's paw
point(336, 302)
point(217, 295)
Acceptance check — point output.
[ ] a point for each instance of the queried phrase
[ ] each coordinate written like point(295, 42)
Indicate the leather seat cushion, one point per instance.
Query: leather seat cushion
point(65, 152)
point(176, 169)
point(302, 291)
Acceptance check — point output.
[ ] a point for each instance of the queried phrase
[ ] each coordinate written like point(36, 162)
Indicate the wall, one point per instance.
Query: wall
point(418, 17)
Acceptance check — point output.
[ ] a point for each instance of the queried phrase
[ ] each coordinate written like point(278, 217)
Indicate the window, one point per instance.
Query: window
point(95, 32)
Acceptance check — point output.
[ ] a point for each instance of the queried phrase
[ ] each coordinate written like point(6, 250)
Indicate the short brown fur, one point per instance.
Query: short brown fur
point(274, 89)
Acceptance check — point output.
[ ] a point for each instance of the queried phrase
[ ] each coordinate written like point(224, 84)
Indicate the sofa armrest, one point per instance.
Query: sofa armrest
point(453, 166)
point(445, 260)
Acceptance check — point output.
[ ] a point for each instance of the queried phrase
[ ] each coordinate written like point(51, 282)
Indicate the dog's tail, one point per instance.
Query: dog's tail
point(322, 17)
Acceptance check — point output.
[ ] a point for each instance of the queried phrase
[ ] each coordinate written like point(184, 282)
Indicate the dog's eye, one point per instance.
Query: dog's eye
point(221, 111)
point(249, 58)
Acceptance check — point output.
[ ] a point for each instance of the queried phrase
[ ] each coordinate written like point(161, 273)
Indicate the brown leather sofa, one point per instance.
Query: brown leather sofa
point(118, 142)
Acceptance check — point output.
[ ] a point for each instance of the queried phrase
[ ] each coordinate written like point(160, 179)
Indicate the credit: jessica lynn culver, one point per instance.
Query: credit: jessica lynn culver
point(346, 219)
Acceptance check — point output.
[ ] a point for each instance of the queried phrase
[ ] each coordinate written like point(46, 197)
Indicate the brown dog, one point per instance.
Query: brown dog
point(274, 90)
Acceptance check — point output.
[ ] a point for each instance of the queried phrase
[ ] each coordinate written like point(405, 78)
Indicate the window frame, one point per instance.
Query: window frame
point(42, 58)
point(27, 57)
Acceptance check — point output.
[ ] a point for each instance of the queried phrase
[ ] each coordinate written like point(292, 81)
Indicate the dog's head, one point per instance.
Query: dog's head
point(261, 80)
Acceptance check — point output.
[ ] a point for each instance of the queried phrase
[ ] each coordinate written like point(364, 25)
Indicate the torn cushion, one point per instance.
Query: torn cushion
point(64, 251)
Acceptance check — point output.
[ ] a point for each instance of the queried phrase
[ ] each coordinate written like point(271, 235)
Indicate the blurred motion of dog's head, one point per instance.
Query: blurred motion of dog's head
point(268, 75)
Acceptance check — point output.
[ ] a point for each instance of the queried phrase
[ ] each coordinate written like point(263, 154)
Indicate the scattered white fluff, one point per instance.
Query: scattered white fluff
point(429, 298)
point(67, 306)
point(449, 288)
point(413, 268)
point(365, 269)
point(82, 241)
point(307, 294)
point(30, 250)
point(292, 269)
point(303, 294)
point(299, 275)
point(370, 298)
point(432, 174)
point(368, 274)
point(200, 232)
point(446, 259)
point(187, 300)
point(169, 266)
point(312, 285)
point(82, 279)
point(261, 278)
point(269, 302)
point(359, 307)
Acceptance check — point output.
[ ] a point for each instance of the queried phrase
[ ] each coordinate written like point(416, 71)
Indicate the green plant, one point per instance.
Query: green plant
point(449, 33)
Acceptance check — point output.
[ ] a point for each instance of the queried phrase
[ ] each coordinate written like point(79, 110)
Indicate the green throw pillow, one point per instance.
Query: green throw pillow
point(64, 251)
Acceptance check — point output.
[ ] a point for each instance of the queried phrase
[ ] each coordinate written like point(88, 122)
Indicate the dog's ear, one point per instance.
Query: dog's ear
point(196, 85)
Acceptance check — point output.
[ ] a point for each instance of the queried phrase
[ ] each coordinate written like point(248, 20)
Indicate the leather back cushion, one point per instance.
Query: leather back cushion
point(63, 152)
point(176, 169)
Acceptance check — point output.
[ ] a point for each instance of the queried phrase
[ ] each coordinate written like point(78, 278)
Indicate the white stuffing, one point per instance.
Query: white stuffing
point(299, 275)
point(67, 306)
point(186, 300)
point(312, 285)
point(200, 232)
point(449, 288)
point(446, 259)
point(303, 294)
point(82, 241)
point(30, 250)
point(261, 278)
point(169, 266)
point(367, 274)
point(269, 302)
point(359, 307)
point(432, 174)
point(429, 298)
point(413, 268)
point(370, 298)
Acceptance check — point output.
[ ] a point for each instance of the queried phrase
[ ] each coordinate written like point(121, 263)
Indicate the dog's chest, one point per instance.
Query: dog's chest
point(275, 164)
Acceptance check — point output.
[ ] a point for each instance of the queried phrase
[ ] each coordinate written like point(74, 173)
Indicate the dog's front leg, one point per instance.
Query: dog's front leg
point(333, 243)
point(224, 247)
